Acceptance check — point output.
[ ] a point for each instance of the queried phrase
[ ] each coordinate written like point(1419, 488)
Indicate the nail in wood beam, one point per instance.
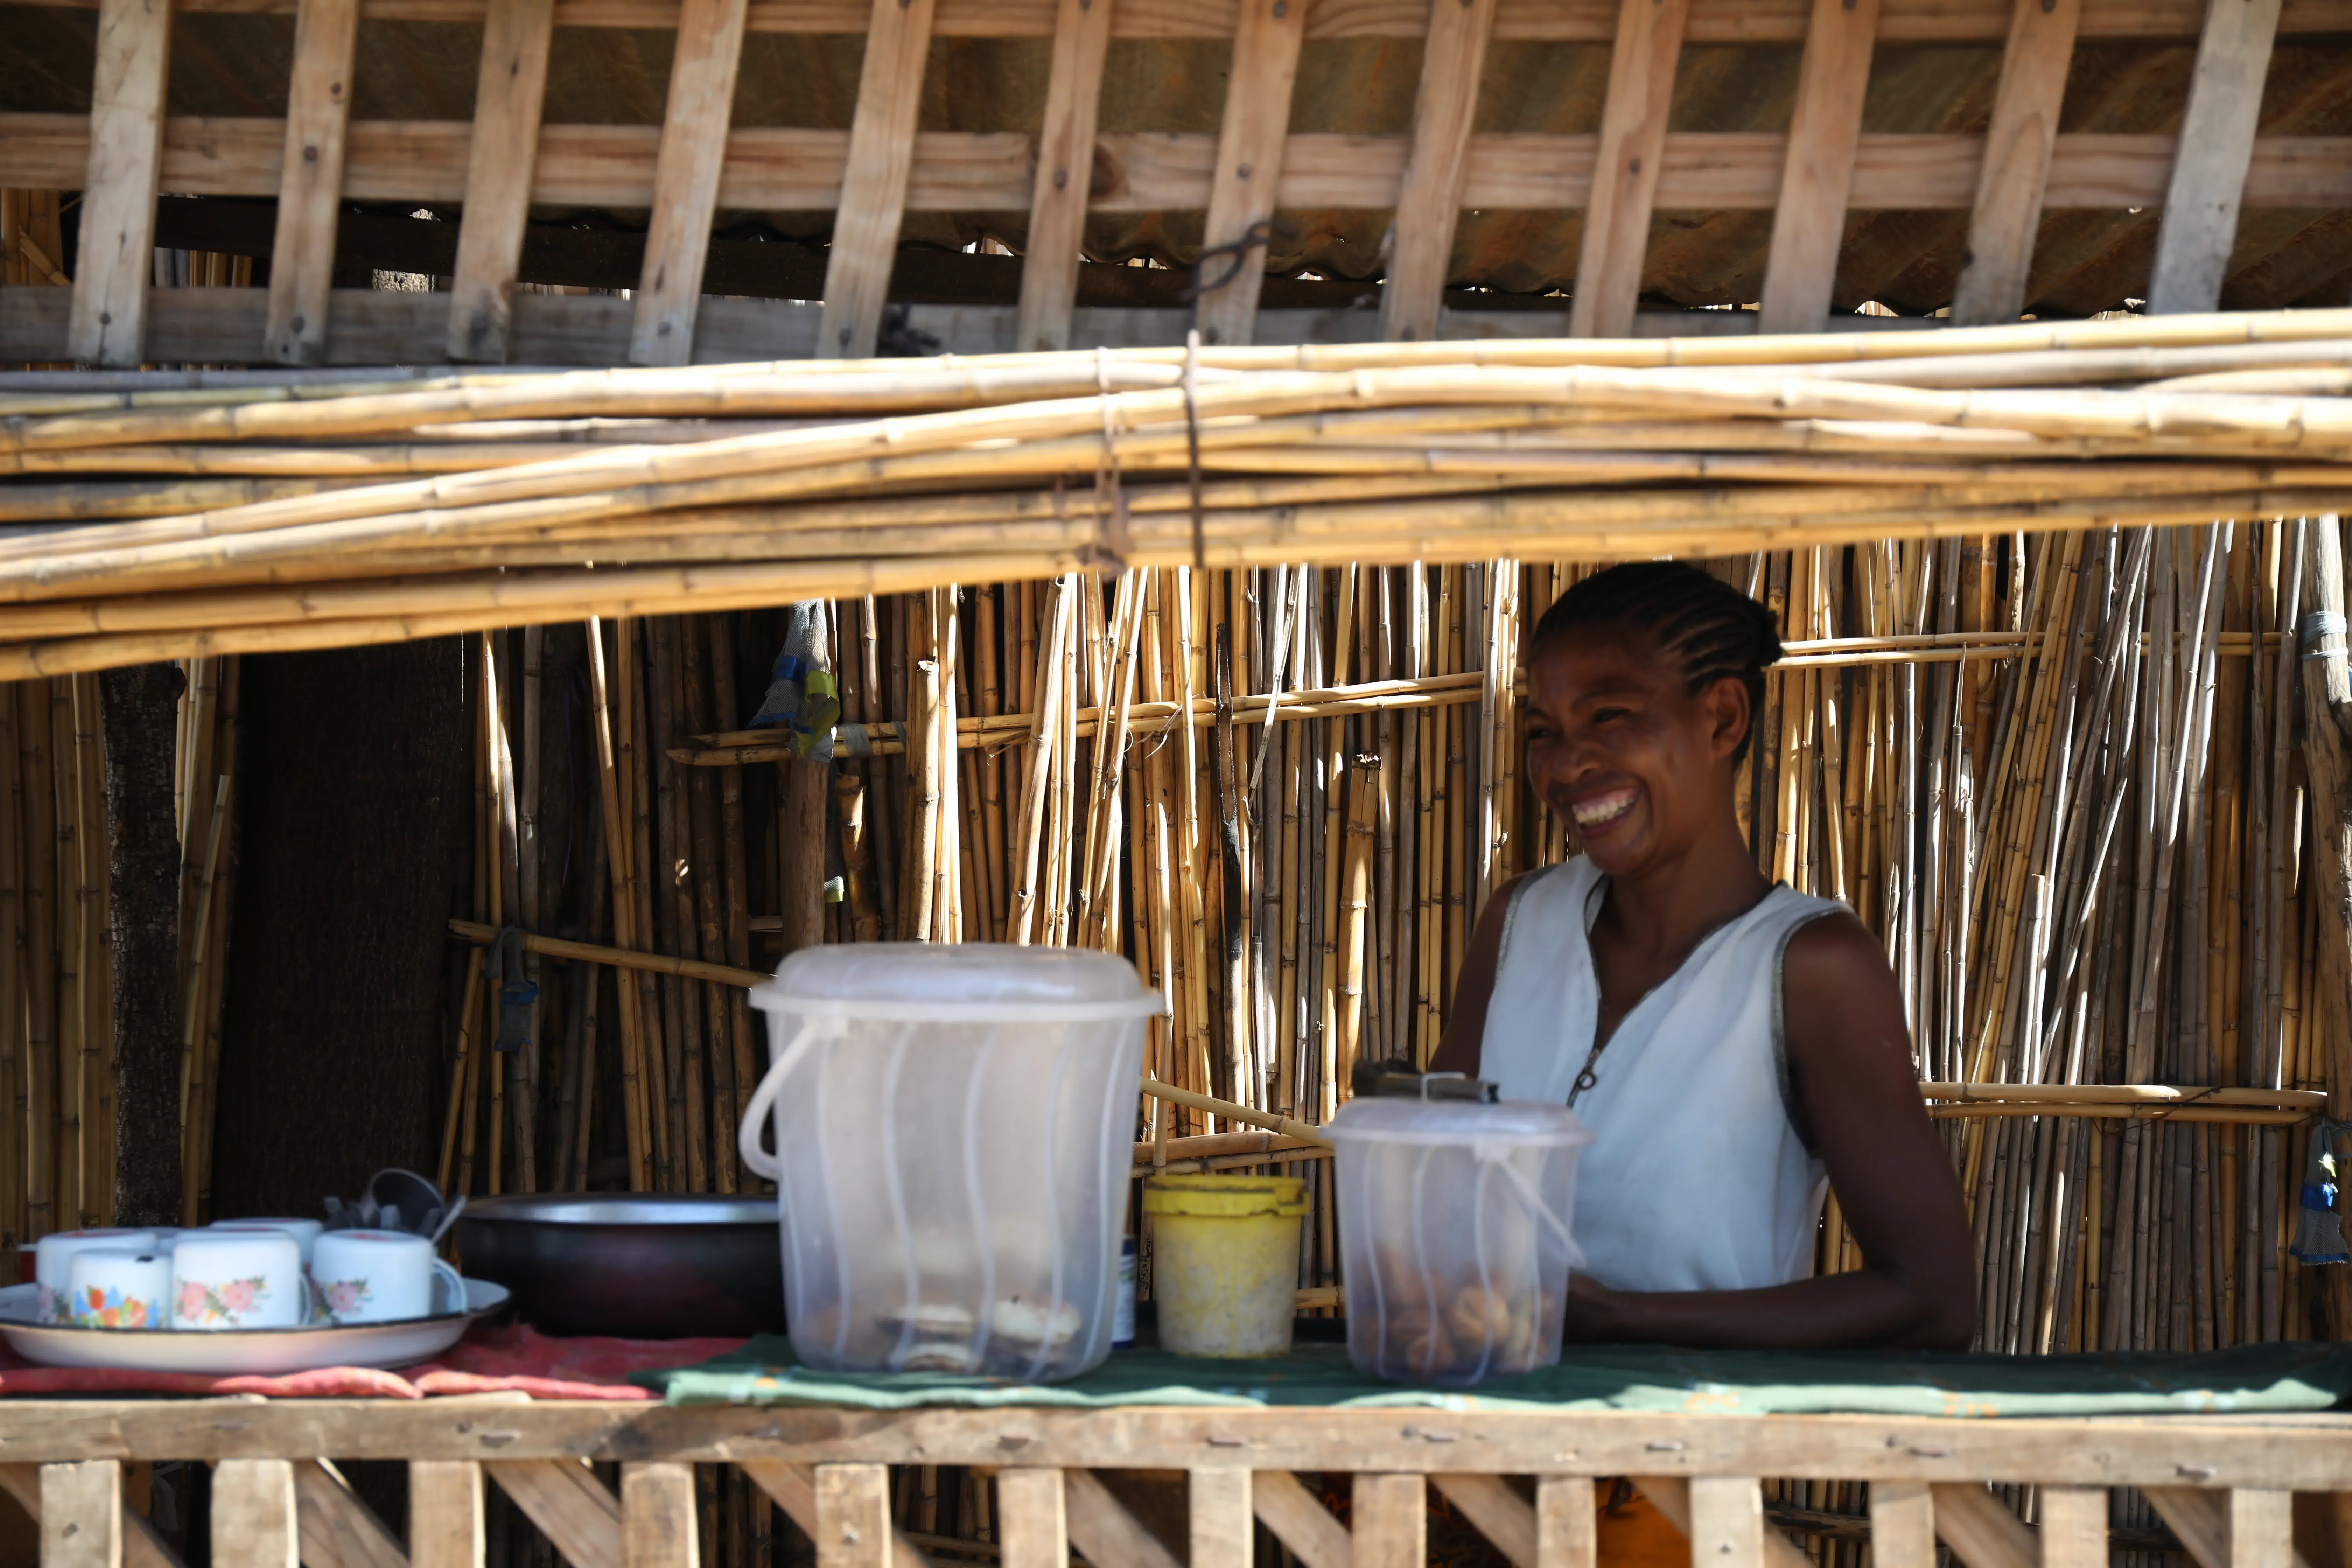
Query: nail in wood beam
point(1626, 169)
point(853, 1515)
point(107, 322)
point(1065, 163)
point(1392, 1521)
point(874, 181)
point(1429, 203)
point(1979, 1527)
point(254, 1522)
point(569, 1504)
point(1809, 223)
point(311, 183)
point(2074, 1527)
point(2216, 144)
point(1727, 1521)
point(1567, 1533)
point(695, 121)
point(1033, 1527)
point(81, 1514)
point(1498, 1513)
point(1298, 1520)
point(444, 1513)
point(659, 1516)
point(1224, 1532)
point(1249, 165)
point(336, 1529)
point(2008, 211)
point(1902, 1525)
point(511, 91)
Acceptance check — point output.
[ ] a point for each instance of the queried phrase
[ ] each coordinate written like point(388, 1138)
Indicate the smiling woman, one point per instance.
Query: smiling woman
point(1734, 1044)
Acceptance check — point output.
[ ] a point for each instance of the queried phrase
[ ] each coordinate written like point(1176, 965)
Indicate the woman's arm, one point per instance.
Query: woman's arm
point(1466, 1026)
point(1850, 1063)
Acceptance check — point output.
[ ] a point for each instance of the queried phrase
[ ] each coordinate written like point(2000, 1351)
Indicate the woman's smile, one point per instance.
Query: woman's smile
point(1598, 812)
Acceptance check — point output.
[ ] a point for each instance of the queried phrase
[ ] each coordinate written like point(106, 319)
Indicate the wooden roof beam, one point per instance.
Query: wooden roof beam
point(1810, 221)
point(2216, 144)
point(2016, 162)
point(1430, 203)
point(1066, 164)
point(1248, 173)
point(694, 122)
point(311, 181)
point(1627, 166)
point(499, 169)
point(122, 162)
point(874, 182)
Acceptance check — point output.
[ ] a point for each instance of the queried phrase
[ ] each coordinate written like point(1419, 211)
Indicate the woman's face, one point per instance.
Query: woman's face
point(1618, 745)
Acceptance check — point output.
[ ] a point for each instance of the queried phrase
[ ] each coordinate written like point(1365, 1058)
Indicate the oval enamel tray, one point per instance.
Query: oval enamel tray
point(241, 1353)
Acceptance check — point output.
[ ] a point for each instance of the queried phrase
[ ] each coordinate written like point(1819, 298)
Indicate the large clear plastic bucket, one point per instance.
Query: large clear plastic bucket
point(953, 1131)
point(1453, 1241)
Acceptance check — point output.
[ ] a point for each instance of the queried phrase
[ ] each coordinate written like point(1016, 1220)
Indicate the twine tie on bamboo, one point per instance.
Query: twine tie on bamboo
point(2322, 635)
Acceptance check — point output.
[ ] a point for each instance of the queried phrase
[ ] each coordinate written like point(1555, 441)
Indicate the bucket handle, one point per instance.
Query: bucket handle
point(750, 1135)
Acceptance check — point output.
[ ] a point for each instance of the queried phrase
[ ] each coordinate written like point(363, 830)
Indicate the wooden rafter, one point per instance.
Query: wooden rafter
point(1247, 179)
point(1627, 166)
point(2217, 142)
point(311, 180)
point(686, 179)
point(1817, 178)
point(2017, 157)
point(121, 158)
point(499, 166)
point(1058, 211)
point(879, 162)
point(1429, 200)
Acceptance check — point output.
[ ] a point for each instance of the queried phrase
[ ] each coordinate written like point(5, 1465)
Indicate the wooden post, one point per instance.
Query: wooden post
point(2217, 143)
point(1031, 1520)
point(1249, 166)
point(874, 181)
point(311, 183)
point(1224, 1529)
point(1809, 221)
point(444, 1513)
point(1066, 164)
point(694, 122)
point(81, 1514)
point(853, 1515)
point(2074, 1527)
point(2327, 721)
point(108, 321)
point(1625, 167)
point(254, 1523)
point(659, 1516)
point(2008, 209)
point(1566, 1522)
point(1429, 203)
point(1391, 1513)
point(1727, 1521)
point(508, 98)
point(1902, 1525)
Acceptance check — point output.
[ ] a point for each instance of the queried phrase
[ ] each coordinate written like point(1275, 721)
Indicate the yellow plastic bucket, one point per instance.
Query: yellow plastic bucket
point(1224, 1262)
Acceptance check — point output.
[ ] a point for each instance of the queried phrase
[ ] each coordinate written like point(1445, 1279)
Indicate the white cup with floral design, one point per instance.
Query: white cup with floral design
point(233, 1278)
point(305, 1232)
point(120, 1287)
point(381, 1276)
point(53, 1257)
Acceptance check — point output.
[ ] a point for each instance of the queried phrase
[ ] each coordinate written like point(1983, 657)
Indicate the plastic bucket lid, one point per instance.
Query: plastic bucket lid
point(1226, 1197)
point(1520, 1122)
point(975, 983)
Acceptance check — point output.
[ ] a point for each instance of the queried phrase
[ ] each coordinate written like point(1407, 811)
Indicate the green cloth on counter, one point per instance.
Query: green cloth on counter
point(2297, 1375)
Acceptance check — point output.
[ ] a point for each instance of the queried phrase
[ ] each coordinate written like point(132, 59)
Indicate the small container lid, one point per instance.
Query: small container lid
point(977, 981)
point(1383, 1120)
point(1225, 1197)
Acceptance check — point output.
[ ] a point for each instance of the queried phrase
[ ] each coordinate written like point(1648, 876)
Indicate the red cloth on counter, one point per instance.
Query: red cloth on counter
point(515, 1358)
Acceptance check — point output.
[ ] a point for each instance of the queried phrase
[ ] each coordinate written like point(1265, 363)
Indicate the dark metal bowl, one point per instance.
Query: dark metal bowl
point(647, 1266)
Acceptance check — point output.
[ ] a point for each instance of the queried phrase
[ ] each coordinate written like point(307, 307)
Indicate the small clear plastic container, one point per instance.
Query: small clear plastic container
point(1453, 1235)
point(953, 1131)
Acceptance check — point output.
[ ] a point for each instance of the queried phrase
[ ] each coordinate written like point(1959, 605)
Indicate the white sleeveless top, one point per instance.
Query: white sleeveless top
point(1696, 1179)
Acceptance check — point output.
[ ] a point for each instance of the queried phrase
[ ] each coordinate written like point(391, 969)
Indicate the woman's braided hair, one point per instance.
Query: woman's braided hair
point(1711, 628)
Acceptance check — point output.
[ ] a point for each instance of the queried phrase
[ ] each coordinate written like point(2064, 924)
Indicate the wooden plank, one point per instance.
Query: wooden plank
point(1809, 221)
point(334, 1528)
point(1300, 1520)
point(1430, 202)
point(874, 179)
point(1504, 1518)
point(659, 1516)
point(1726, 1524)
point(81, 1514)
point(500, 163)
point(2074, 1527)
point(2262, 1523)
point(253, 1510)
point(1032, 1525)
point(1902, 1525)
point(445, 1514)
point(1103, 1530)
point(569, 1504)
point(695, 121)
point(1672, 1496)
point(142, 1547)
point(1248, 176)
point(311, 180)
point(1391, 1520)
point(2207, 1523)
point(1567, 1519)
point(1065, 165)
point(123, 161)
point(954, 171)
point(1979, 1526)
point(1223, 1521)
point(1626, 166)
point(2008, 211)
point(794, 1488)
point(2217, 143)
point(853, 1515)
